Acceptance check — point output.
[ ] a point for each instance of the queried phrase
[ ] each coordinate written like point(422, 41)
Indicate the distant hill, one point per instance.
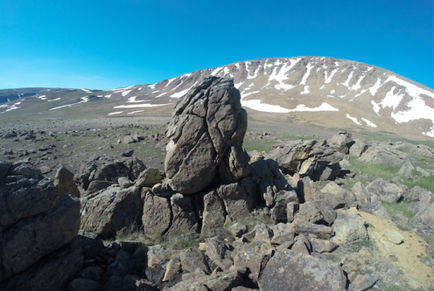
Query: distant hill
point(12, 94)
point(317, 91)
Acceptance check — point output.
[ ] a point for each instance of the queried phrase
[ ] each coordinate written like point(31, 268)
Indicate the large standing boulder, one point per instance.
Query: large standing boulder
point(206, 134)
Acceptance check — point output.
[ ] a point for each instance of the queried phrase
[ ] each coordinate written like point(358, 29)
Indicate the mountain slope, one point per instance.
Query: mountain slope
point(319, 91)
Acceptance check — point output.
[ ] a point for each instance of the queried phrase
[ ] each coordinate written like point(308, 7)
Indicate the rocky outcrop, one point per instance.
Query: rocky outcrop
point(206, 135)
point(102, 171)
point(315, 159)
point(37, 226)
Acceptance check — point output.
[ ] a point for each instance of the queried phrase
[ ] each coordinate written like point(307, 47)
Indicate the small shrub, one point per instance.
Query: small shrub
point(367, 243)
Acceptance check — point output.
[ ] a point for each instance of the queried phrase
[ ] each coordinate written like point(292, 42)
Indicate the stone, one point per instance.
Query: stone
point(385, 191)
point(406, 170)
point(376, 208)
point(184, 218)
point(322, 246)
point(124, 182)
point(94, 273)
point(321, 231)
point(362, 194)
point(108, 170)
point(4, 168)
point(237, 229)
point(311, 273)
point(282, 198)
point(383, 155)
point(156, 214)
point(291, 210)
point(343, 140)
point(363, 282)
point(206, 134)
point(214, 213)
point(53, 272)
point(349, 228)
point(217, 251)
point(64, 179)
point(309, 190)
point(263, 233)
point(254, 262)
point(427, 216)
point(82, 284)
point(223, 281)
point(122, 266)
point(110, 211)
point(394, 236)
point(91, 244)
point(193, 259)
point(329, 214)
point(333, 190)
point(149, 177)
point(359, 148)
point(308, 213)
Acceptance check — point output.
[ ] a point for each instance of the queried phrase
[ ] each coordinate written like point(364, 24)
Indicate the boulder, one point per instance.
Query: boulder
point(385, 191)
point(206, 135)
point(362, 194)
point(184, 218)
point(427, 216)
point(157, 214)
point(109, 211)
point(149, 177)
point(108, 170)
point(376, 208)
point(342, 140)
point(309, 190)
point(4, 168)
point(384, 154)
point(311, 273)
point(333, 190)
point(348, 228)
point(64, 179)
point(214, 213)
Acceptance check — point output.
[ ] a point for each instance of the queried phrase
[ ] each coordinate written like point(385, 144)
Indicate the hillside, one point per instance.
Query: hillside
point(314, 91)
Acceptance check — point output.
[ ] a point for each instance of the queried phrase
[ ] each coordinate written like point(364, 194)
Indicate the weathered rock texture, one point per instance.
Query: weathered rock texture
point(206, 135)
point(37, 225)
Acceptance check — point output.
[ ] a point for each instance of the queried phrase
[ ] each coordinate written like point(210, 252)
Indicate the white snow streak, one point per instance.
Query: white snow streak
point(281, 75)
point(353, 119)
point(137, 111)
point(309, 67)
point(126, 92)
point(238, 85)
point(329, 78)
point(375, 88)
point(368, 122)
point(214, 73)
point(53, 100)
point(133, 100)
point(159, 95)
point(114, 113)
point(85, 90)
point(347, 82)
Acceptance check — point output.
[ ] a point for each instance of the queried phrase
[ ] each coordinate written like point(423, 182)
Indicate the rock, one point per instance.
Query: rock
point(309, 190)
point(363, 282)
point(406, 170)
point(128, 139)
point(334, 190)
point(224, 281)
point(111, 210)
point(308, 213)
point(64, 179)
point(214, 213)
point(427, 216)
point(291, 210)
point(51, 218)
point(91, 244)
point(394, 236)
point(329, 214)
point(263, 233)
point(322, 246)
point(149, 177)
point(217, 251)
point(362, 194)
point(342, 140)
point(193, 259)
point(92, 273)
point(311, 273)
point(415, 193)
point(184, 218)
point(156, 214)
point(237, 229)
point(321, 231)
point(425, 199)
point(107, 169)
point(348, 228)
point(122, 266)
point(206, 135)
point(25, 169)
point(124, 182)
point(359, 148)
point(53, 272)
point(254, 262)
point(282, 198)
point(302, 245)
point(377, 209)
point(238, 199)
point(82, 284)
point(4, 168)
point(385, 191)
point(384, 155)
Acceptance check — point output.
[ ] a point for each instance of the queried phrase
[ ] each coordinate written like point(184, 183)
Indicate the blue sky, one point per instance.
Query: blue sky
point(108, 44)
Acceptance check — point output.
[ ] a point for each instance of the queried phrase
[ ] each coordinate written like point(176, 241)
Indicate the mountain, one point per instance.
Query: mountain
point(12, 94)
point(317, 91)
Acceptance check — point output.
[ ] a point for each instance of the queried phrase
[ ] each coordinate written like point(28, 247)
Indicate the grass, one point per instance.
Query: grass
point(423, 258)
point(392, 288)
point(371, 172)
point(367, 243)
point(393, 208)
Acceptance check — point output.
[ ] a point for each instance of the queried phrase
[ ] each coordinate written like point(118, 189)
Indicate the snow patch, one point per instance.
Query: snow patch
point(53, 100)
point(329, 78)
point(238, 85)
point(281, 75)
point(124, 93)
point(159, 95)
point(305, 91)
point(375, 88)
point(114, 113)
point(309, 67)
point(137, 111)
point(332, 91)
point(108, 96)
point(133, 100)
point(85, 90)
point(368, 122)
point(353, 119)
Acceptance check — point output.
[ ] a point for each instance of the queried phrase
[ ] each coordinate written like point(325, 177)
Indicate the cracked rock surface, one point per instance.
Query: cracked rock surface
point(206, 136)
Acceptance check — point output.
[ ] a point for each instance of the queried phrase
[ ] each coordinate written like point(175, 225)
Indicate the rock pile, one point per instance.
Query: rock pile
point(38, 224)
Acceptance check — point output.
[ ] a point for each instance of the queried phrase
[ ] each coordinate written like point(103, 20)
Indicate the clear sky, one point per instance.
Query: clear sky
point(107, 44)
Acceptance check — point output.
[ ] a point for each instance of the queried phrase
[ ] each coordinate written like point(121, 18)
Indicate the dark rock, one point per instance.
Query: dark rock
point(64, 179)
point(311, 273)
point(254, 262)
point(82, 284)
point(321, 231)
point(385, 191)
point(206, 135)
point(4, 168)
point(157, 214)
point(184, 218)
